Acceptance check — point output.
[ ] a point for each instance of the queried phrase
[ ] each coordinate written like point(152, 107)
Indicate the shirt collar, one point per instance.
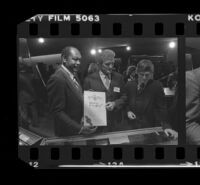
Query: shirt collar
point(149, 82)
point(67, 70)
point(103, 75)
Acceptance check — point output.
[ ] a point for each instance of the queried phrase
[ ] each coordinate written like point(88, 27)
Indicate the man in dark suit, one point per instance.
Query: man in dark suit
point(193, 106)
point(146, 104)
point(110, 82)
point(65, 96)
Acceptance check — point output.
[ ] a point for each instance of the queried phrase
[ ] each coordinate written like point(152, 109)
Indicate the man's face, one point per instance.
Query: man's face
point(132, 75)
point(107, 66)
point(73, 61)
point(144, 77)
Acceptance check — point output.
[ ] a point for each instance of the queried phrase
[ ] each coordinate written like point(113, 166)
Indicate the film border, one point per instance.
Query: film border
point(112, 26)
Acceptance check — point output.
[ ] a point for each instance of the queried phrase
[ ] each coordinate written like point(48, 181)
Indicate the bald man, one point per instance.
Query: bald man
point(65, 96)
point(110, 82)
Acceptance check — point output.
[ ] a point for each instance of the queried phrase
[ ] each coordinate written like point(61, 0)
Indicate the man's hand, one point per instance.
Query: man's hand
point(131, 115)
point(88, 129)
point(171, 133)
point(110, 105)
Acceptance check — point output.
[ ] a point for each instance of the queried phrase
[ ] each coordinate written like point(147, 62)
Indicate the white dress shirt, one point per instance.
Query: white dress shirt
point(71, 76)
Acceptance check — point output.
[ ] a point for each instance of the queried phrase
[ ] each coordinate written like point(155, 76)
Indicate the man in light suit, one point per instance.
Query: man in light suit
point(110, 82)
point(193, 106)
point(65, 96)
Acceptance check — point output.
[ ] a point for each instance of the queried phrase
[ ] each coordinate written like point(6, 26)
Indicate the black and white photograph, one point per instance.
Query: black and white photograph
point(104, 91)
point(192, 78)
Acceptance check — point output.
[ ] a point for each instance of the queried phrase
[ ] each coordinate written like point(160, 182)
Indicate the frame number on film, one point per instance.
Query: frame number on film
point(85, 18)
point(34, 164)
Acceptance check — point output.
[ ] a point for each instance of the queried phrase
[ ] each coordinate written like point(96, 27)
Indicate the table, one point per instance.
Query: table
point(145, 136)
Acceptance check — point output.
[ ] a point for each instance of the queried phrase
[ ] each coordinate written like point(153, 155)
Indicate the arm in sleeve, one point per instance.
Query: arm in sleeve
point(192, 96)
point(86, 84)
point(160, 106)
point(123, 98)
point(57, 100)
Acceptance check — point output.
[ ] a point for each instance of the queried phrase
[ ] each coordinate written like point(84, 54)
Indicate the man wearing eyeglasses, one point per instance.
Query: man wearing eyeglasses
point(146, 103)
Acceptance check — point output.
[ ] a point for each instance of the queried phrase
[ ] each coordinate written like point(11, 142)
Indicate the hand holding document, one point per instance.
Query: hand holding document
point(131, 115)
point(87, 129)
point(95, 108)
point(110, 106)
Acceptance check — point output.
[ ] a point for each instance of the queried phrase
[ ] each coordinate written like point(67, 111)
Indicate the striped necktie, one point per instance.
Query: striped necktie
point(76, 82)
point(107, 82)
point(141, 87)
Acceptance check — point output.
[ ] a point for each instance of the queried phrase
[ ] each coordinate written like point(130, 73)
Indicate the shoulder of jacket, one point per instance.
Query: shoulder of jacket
point(92, 76)
point(131, 84)
point(156, 83)
point(117, 75)
point(197, 73)
point(57, 76)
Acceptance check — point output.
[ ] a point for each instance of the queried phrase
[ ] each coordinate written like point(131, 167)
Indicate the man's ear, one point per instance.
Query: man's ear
point(64, 60)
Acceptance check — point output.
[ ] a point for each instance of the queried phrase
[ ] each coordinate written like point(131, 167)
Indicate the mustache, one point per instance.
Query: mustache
point(76, 65)
point(110, 69)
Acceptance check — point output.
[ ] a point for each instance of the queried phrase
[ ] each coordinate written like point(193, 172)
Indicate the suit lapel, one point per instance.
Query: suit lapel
point(70, 82)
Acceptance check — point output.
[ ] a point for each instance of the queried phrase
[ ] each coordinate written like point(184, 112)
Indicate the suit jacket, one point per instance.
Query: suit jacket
point(114, 93)
point(148, 105)
point(193, 97)
point(65, 103)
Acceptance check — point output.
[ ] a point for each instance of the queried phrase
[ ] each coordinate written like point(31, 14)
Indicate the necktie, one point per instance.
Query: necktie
point(107, 82)
point(141, 87)
point(76, 82)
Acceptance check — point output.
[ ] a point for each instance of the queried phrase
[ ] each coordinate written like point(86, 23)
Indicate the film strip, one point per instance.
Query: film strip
point(171, 42)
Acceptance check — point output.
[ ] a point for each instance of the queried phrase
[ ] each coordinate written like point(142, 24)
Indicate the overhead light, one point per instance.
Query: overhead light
point(99, 50)
point(93, 52)
point(41, 40)
point(128, 48)
point(172, 44)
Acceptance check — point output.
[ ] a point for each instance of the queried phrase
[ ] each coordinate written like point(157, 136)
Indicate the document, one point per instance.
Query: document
point(95, 108)
point(118, 140)
point(82, 142)
point(102, 142)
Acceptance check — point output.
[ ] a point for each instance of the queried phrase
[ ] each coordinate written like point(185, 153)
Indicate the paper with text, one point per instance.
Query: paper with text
point(95, 108)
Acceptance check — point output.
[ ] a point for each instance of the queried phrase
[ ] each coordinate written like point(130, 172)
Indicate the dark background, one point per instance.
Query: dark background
point(9, 126)
point(139, 46)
